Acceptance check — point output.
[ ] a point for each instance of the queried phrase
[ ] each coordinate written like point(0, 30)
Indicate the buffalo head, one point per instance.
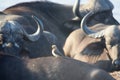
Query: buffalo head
point(12, 35)
point(111, 36)
point(103, 13)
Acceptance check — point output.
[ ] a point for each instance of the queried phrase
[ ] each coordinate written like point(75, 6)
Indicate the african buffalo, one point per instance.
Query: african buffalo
point(101, 47)
point(51, 14)
point(48, 68)
point(103, 13)
point(55, 16)
point(14, 39)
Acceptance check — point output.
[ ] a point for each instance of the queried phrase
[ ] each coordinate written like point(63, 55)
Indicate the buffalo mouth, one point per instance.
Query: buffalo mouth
point(116, 64)
point(116, 68)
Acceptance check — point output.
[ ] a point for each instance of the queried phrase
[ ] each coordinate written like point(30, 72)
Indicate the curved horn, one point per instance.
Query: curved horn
point(76, 8)
point(35, 36)
point(55, 51)
point(89, 32)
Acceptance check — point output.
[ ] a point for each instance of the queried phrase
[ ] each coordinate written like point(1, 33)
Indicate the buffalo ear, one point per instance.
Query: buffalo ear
point(72, 24)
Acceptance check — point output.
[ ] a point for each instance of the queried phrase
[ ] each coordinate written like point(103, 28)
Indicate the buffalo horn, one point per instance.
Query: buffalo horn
point(76, 8)
point(35, 36)
point(89, 32)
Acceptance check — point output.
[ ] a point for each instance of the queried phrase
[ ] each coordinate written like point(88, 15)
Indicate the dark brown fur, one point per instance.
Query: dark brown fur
point(48, 68)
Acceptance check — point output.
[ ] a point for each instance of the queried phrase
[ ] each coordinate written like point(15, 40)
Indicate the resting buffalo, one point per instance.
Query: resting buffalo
point(103, 13)
point(14, 38)
point(51, 14)
point(101, 45)
point(55, 16)
point(48, 68)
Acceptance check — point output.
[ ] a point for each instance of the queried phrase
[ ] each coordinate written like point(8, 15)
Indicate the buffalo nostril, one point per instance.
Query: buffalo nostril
point(116, 63)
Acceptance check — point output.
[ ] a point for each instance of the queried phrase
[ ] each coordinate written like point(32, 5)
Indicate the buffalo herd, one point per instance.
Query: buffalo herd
point(43, 40)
